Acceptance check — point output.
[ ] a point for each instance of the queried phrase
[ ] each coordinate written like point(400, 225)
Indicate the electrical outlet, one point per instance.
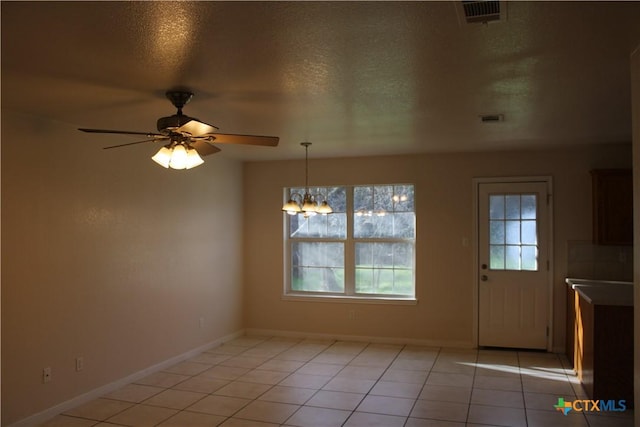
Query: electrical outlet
point(46, 375)
point(201, 322)
point(79, 363)
point(352, 315)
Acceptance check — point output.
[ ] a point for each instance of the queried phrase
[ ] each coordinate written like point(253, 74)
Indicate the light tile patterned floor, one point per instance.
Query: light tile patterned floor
point(270, 381)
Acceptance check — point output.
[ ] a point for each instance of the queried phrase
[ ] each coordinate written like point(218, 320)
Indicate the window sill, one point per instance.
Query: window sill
point(350, 299)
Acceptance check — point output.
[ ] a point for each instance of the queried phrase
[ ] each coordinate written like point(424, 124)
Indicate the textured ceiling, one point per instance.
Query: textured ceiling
point(354, 78)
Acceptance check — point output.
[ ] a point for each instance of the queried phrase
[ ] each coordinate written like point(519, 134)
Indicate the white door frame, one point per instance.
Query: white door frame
point(476, 277)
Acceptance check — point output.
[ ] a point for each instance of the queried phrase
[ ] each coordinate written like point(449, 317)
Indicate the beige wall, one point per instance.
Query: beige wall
point(444, 276)
point(635, 100)
point(107, 256)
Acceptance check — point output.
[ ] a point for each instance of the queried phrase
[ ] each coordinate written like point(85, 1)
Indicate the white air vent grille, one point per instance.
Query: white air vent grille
point(476, 11)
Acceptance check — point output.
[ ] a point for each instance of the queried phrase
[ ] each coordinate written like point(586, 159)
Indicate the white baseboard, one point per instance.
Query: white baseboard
point(49, 413)
point(359, 338)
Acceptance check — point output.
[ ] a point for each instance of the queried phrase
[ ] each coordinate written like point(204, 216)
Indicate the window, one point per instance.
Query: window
point(365, 248)
point(513, 238)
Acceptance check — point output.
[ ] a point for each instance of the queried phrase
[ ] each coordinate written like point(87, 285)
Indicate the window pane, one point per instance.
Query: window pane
point(364, 280)
point(403, 198)
point(321, 226)
point(512, 207)
point(317, 266)
point(404, 225)
point(496, 207)
point(363, 199)
point(528, 206)
point(403, 282)
point(390, 270)
point(496, 232)
point(530, 258)
point(364, 225)
point(364, 255)
point(383, 211)
point(313, 279)
point(337, 198)
point(390, 225)
point(382, 254)
point(529, 234)
point(403, 255)
point(326, 226)
point(496, 257)
point(317, 254)
point(512, 232)
point(512, 258)
point(383, 198)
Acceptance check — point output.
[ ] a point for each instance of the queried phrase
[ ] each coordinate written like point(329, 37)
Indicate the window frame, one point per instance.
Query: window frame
point(349, 242)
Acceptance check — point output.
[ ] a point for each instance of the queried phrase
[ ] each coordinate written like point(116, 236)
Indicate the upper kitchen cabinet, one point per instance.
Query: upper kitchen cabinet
point(612, 206)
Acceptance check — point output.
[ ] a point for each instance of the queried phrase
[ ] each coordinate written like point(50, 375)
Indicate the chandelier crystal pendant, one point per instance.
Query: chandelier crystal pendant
point(307, 203)
point(177, 155)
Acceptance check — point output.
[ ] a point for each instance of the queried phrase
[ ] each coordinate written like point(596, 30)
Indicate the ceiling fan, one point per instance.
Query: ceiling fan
point(185, 139)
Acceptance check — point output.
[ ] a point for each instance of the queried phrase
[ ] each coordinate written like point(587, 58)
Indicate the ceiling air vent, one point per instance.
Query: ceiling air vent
point(491, 118)
point(483, 12)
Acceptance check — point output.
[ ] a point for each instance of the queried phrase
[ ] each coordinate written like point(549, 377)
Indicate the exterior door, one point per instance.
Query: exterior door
point(513, 268)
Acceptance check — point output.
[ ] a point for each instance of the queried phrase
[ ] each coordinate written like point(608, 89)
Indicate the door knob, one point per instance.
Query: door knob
point(484, 278)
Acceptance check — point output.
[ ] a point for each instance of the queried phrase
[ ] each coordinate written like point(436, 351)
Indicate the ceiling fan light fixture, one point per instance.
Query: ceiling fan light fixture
point(193, 159)
point(163, 157)
point(178, 157)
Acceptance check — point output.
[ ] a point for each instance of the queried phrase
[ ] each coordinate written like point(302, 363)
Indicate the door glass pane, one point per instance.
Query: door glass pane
point(496, 232)
point(496, 207)
point(529, 234)
point(496, 257)
point(513, 232)
point(512, 258)
point(512, 206)
point(530, 258)
point(528, 206)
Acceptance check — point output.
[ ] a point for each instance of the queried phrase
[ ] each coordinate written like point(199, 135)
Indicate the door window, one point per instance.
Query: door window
point(513, 232)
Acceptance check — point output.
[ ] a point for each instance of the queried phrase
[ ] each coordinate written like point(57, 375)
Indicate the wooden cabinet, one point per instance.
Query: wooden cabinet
point(603, 348)
point(612, 206)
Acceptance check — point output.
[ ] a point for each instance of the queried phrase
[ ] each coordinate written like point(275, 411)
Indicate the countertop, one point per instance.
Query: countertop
point(603, 292)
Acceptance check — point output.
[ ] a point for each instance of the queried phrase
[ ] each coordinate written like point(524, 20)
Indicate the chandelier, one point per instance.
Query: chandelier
point(178, 155)
point(307, 203)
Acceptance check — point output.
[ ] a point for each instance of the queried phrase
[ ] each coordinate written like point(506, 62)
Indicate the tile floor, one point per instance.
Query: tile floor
point(270, 381)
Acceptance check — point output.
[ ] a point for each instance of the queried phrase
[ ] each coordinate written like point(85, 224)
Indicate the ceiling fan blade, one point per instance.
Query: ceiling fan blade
point(227, 138)
point(122, 132)
point(197, 128)
point(134, 143)
point(204, 148)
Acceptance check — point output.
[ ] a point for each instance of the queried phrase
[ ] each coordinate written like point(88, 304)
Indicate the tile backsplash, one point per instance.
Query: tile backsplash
point(589, 261)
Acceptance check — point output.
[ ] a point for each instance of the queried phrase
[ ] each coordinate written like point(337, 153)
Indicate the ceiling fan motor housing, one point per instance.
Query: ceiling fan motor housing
point(167, 124)
point(178, 98)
